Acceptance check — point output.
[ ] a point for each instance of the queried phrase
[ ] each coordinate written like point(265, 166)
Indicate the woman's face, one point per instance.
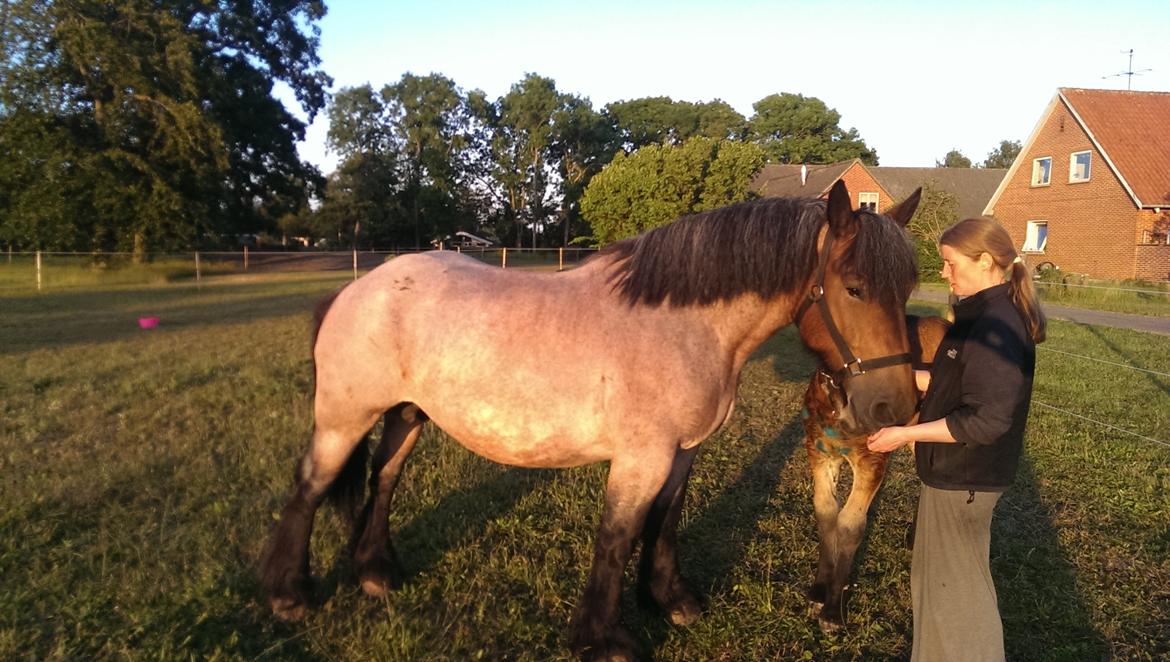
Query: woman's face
point(967, 276)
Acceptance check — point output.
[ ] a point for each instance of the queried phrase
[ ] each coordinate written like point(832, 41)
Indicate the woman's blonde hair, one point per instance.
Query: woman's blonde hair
point(975, 236)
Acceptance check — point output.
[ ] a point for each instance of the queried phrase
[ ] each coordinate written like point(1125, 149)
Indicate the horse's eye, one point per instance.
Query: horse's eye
point(854, 292)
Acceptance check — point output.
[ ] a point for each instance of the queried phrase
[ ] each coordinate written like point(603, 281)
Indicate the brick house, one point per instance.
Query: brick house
point(880, 187)
point(1090, 189)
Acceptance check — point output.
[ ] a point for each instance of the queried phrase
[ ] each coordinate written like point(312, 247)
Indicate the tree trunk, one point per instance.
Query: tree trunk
point(139, 248)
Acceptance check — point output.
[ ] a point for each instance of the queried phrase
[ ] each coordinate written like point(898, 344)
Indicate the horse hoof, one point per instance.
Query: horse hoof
point(829, 626)
point(685, 611)
point(609, 651)
point(615, 646)
point(378, 576)
point(289, 610)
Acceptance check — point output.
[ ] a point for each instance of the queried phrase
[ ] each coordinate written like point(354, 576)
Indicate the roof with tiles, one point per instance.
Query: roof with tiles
point(783, 180)
point(972, 187)
point(1132, 130)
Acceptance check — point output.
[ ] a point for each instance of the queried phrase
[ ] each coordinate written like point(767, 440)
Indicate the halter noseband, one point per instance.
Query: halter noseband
point(853, 365)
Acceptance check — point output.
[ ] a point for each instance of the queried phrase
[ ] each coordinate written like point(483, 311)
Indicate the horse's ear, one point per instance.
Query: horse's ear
point(839, 210)
point(905, 209)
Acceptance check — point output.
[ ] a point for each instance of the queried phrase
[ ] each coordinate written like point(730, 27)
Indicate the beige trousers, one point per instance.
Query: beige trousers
point(956, 615)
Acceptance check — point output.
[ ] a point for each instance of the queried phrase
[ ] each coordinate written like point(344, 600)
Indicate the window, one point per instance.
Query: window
point(1078, 167)
point(867, 201)
point(1157, 237)
point(1037, 237)
point(1041, 171)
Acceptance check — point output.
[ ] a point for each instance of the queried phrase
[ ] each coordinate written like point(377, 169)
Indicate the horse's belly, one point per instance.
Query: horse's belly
point(504, 436)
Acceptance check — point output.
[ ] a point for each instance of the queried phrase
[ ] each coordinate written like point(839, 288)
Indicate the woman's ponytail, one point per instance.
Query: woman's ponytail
point(1023, 294)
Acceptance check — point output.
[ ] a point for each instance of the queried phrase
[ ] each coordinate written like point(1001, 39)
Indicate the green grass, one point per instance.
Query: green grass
point(1106, 296)
point(143, 470)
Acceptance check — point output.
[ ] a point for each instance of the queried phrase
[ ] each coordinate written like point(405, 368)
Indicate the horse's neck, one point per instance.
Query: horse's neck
point(744, 323)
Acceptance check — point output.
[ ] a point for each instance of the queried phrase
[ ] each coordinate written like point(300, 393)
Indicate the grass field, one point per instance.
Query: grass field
point(143, 469)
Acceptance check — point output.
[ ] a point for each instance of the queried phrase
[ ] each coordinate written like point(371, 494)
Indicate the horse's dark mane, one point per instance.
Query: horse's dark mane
point(765, 246)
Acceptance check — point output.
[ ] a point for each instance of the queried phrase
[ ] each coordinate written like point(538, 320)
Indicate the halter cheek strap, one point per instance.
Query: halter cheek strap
point(853, 365)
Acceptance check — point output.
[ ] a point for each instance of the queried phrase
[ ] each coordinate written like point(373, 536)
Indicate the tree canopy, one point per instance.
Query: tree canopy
point(659, 183)
point(1004, 155)
point(793, 128)
point(152, 124)
point(954, 159)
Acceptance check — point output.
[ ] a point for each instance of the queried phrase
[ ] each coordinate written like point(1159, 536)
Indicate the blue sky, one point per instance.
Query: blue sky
point(914, 78)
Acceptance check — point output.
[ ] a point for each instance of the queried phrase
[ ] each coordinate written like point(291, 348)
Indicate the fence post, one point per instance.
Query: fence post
point(38, 271)
point(355, 263)
point(561, 258)
point(198, 270)
point(504, 259)
point(245, 257)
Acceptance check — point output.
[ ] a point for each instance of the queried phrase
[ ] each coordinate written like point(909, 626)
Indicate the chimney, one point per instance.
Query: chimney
point(803, 174)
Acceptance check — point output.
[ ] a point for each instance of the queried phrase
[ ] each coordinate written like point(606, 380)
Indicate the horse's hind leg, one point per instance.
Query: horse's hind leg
point(868, 471)
point(633, 484)
point(285, 569)
point(375, 562)
point(659, 580)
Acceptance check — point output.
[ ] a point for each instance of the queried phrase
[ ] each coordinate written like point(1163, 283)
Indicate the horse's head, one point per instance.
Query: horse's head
point(854, 315)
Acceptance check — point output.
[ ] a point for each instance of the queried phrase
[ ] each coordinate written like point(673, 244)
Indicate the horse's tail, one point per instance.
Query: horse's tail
point(348, 490)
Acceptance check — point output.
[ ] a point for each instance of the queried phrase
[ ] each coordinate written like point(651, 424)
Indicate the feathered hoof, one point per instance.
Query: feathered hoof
point(379, 576)
point(615, 646)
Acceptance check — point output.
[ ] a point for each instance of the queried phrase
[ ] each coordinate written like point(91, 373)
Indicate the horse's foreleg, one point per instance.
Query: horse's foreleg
point(868, 471)
point(375, 562)
point(658, 576)
point(825, 470)
point(633, 484)
point(285, 569)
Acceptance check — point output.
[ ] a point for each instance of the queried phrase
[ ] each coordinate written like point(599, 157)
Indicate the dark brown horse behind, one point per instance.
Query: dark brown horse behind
point(842, 529)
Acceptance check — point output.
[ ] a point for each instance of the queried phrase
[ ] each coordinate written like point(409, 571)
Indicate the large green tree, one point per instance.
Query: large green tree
point(517, 151)
point(142, 124)
point(937, 211)
point(583, 142)
point(1004, 155)
point(793, 128)
point(954, 159)
point(660, 183)
point(662, 120)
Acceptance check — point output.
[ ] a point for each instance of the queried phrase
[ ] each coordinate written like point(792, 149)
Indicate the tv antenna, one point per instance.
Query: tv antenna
point(1129, 73)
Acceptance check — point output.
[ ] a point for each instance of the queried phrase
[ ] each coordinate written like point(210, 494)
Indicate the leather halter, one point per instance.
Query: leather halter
point(853, 365)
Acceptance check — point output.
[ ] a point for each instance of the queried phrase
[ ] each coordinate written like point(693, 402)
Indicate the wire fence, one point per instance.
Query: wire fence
point(54, 269)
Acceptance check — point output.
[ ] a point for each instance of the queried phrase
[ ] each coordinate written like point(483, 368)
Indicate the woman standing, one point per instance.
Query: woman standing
point(969, 443)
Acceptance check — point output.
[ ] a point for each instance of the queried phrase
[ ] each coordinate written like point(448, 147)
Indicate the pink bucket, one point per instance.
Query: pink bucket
point(147, 322)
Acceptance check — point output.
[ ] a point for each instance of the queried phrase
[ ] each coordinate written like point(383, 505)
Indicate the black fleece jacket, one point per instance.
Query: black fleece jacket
point(981, 383)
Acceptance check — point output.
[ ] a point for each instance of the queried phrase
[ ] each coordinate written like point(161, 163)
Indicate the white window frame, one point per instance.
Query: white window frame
point(867, 198)
point(1036, 170)
point(1072, 167)
point(1031, 237)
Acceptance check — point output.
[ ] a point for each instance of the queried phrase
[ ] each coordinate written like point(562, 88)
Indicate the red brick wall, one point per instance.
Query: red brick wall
point(857, 179)
point(1092, 226)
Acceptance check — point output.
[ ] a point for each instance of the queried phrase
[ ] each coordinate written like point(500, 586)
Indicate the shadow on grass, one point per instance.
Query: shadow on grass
point(1044, 614)
point(61, 558)
point(716, 539)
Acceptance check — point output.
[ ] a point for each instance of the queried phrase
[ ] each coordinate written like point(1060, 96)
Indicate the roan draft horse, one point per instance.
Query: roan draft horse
point(634, 357)
point(841, 529)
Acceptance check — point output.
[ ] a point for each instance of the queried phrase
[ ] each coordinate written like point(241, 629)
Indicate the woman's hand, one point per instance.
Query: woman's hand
point(889, 439)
